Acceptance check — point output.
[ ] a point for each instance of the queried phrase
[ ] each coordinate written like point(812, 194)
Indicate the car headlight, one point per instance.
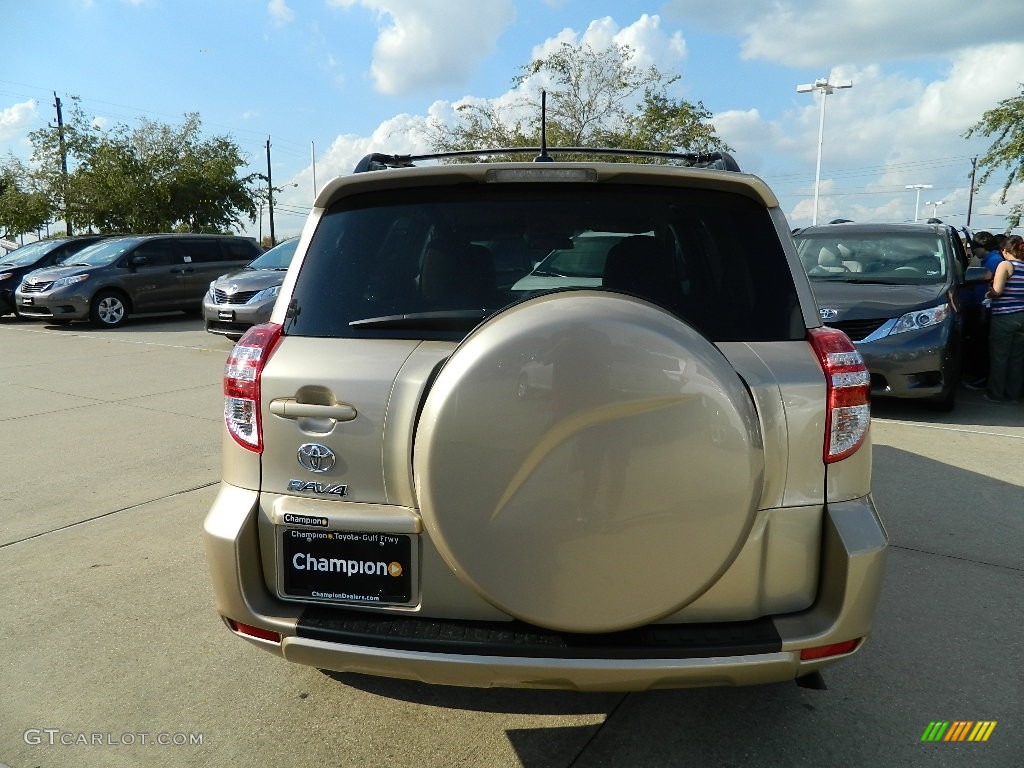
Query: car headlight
point(70, 280)
point(211, 290)
point(921, 318)
point(266, 293)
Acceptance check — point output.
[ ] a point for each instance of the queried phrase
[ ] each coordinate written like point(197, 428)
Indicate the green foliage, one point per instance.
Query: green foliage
point(22, 209)
point(594, 98)
point(152, 178)
point(1005, 122)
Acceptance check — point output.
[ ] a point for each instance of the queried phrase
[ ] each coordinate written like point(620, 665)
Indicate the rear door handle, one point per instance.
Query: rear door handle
point(290, 408)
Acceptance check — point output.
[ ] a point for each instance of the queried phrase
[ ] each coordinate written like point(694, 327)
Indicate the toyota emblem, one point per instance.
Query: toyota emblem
point(316, 457)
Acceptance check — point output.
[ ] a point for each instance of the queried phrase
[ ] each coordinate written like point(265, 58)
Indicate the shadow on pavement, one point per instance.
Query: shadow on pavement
point(500, 700)
point(972, 409)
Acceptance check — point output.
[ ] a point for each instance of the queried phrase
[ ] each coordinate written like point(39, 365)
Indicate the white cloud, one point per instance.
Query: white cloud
point(645, 36)
point(888, 131)
point(402, 134)
point(280, 12)
point(815, 33)
point(17, 118)
point(896, 126)
point(426, 43)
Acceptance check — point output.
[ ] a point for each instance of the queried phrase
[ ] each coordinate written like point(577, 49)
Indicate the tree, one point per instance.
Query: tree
point(22, 209)
point(153, 178)
point(595, 98)
point(1006, 122)
point(49, 148)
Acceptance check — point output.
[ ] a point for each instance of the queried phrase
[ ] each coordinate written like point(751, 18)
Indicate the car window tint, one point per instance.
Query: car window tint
point(158, 253)
point(430, 254)
point(239, 250)
point(199, 251)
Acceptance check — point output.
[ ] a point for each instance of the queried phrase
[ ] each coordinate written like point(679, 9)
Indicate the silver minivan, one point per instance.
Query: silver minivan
point(108, 281)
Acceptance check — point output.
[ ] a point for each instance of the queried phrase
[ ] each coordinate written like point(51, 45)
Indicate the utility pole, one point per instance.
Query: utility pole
point(312, 152)
point(270, 196)
point(63, 163)
point(970, 198)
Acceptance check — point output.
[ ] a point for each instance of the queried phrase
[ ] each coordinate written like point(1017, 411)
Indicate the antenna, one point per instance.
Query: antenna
point(543, 157)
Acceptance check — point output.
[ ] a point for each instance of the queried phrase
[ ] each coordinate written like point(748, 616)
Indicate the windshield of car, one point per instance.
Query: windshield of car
point(27, 254)
point(874, 257)
point(101, 254)
point(432, 262)
point(278, 257)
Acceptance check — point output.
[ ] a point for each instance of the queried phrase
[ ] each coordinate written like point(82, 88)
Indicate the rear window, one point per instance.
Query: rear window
point(431, 263)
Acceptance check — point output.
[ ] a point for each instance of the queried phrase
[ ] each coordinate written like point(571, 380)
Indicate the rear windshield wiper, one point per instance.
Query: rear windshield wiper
point(444, 319)
point(548, 273)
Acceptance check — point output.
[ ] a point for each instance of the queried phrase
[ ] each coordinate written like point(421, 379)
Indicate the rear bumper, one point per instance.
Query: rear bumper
point(512, 654)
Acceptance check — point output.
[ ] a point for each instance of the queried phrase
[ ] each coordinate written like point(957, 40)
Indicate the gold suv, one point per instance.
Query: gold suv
point(680, 496)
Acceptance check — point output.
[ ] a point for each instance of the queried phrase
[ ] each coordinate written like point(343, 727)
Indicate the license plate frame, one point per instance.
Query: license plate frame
point(347, 567)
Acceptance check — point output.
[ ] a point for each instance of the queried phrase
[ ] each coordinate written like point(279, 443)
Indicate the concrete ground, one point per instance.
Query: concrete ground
point(113, 655)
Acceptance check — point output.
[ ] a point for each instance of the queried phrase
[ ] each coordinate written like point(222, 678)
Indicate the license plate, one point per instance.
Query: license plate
point(27, 301)
point(347, 567)
point(225, 314)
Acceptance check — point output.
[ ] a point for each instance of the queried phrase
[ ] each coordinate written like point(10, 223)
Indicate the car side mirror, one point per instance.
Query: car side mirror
point(138, 261)
point(977, 276)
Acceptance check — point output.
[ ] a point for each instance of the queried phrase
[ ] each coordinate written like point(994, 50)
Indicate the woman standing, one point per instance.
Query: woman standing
point(1006, 332)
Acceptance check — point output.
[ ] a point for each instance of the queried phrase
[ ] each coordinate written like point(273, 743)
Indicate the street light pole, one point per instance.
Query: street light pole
point(917, 204)
point(935, 206)
point(825, 87)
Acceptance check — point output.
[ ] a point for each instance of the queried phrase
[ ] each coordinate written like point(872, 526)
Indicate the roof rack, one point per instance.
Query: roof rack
point(714, 160)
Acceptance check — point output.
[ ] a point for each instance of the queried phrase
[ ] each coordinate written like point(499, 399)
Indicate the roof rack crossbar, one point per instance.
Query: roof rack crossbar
point(715, 160)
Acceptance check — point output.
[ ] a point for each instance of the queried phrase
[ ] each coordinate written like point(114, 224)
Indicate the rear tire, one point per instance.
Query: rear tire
point(108, 309)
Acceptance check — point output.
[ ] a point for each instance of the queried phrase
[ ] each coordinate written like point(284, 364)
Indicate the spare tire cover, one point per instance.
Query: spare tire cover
point(587, 462)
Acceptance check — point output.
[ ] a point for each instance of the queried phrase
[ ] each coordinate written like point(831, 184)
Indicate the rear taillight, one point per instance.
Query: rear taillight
point(848, 386)
point(251, 631)
point(825, 651)
point(242, 384)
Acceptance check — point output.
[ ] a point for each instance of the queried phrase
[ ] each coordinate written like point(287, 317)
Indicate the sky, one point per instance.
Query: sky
point(329, 81)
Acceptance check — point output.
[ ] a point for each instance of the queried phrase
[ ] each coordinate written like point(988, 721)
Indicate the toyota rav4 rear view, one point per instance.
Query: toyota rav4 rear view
point(679, 495)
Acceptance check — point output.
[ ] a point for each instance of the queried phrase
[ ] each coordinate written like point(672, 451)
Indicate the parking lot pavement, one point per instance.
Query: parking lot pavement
point(109, 633)
point(136, 411)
